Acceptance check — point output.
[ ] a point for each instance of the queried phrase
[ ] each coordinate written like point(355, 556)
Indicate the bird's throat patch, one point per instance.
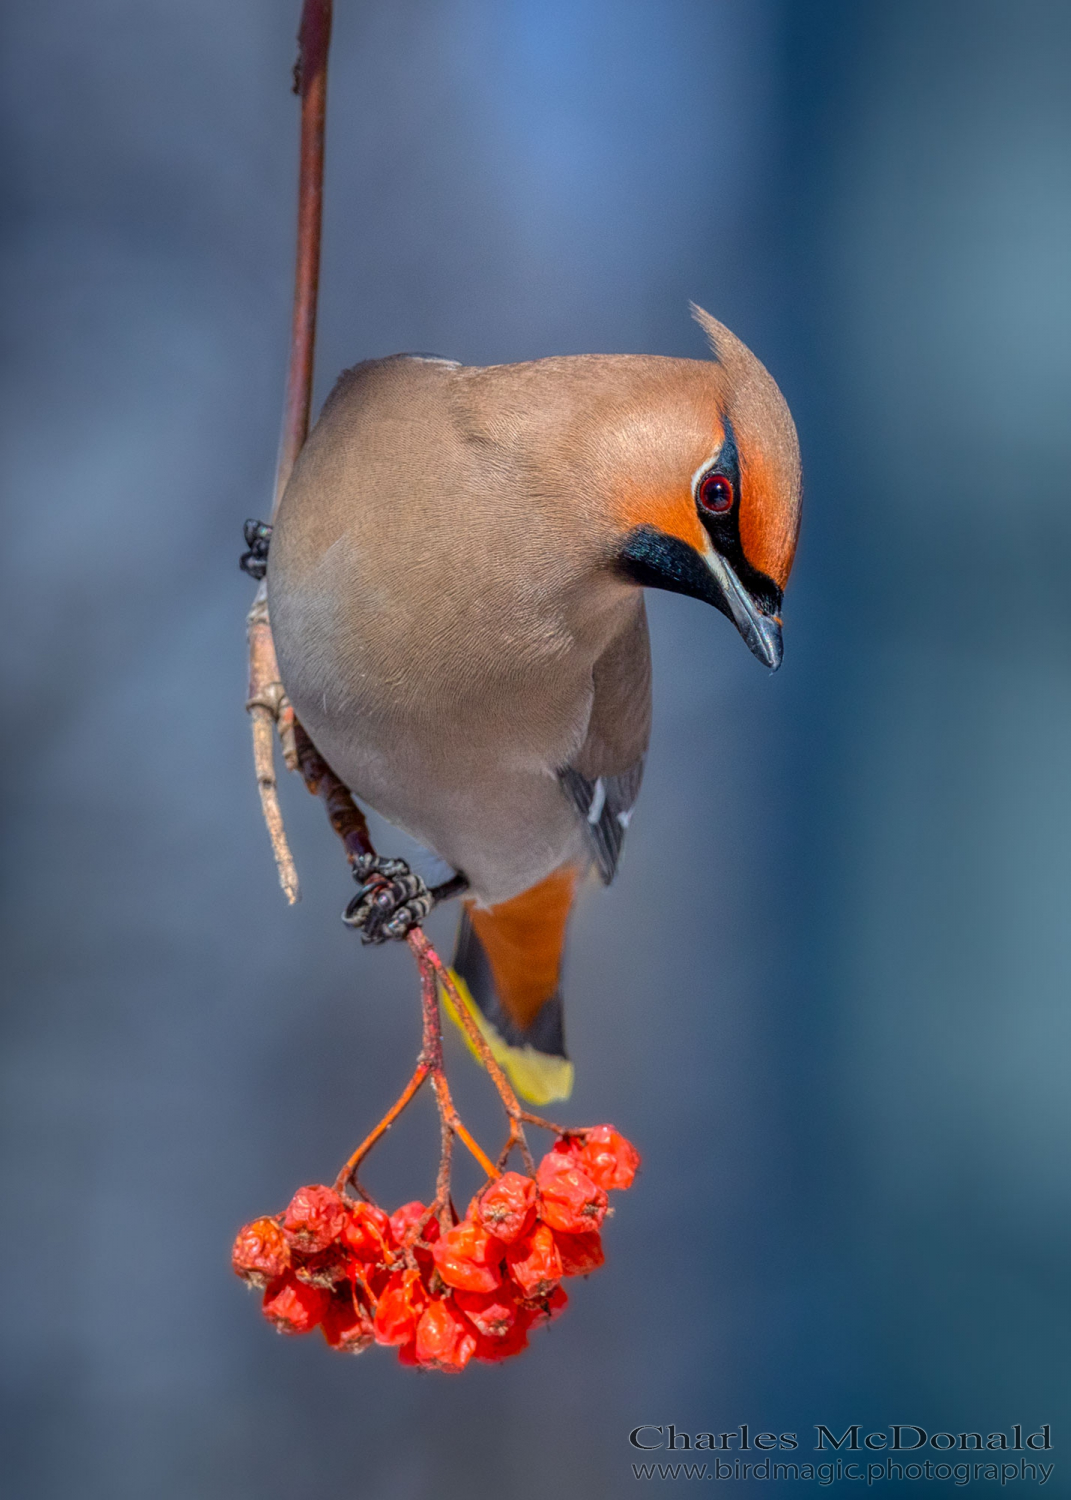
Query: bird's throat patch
point(658, 561)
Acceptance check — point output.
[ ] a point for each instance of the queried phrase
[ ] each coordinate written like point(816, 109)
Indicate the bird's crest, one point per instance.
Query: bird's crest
point(724, 345)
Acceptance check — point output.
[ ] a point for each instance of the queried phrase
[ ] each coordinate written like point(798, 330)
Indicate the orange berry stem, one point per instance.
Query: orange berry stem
point(348, 1176)
point(485, 1161)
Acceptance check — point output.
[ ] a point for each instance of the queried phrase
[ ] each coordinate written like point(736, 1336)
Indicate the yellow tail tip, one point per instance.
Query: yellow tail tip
point(537, 1076)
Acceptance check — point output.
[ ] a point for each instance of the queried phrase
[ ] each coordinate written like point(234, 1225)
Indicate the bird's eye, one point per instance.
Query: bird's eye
point(716, 494)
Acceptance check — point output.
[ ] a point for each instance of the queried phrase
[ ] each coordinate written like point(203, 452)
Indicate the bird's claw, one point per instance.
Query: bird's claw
point(391, 900)
point(257, 538)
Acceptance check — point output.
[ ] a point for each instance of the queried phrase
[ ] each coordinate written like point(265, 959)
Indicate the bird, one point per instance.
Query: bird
point(456, 582)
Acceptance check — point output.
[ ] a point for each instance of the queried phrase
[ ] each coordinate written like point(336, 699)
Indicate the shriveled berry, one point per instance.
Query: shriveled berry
point(327, 1268)
point(608, 1158)
point(569, 1200)
point(293, 1306)
point(403, 1222)
point(568, 1147)
point(507, 1208)
point(381, 1220)
point(534, 1263)
point(365, 1232)
point(399, 1308)
point(260, 1252)
point(513, 1341)
point(346, 1326)
point(492, 1314)
point(556, 1303)
point(444, 1340)
point(581, 1253)
point(469, 1258)
point(315, 1217)
point(544, 1309)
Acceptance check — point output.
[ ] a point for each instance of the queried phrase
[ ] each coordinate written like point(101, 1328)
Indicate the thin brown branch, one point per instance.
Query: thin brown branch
point(310, 81)
point(515, 1138)
point(577, 1130)
point(266, 702)
point(432, 1054)
point(263, 764)
point(442, 1206)
point(345, 816)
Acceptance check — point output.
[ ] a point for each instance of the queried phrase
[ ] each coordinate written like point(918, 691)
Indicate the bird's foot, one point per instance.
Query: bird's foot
point(257, 537)
point(390, 902)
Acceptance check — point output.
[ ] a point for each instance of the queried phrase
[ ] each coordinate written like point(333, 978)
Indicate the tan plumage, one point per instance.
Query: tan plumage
point(456, 621)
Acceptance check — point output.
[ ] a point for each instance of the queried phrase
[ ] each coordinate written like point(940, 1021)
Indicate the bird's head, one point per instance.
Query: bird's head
point(714, 511)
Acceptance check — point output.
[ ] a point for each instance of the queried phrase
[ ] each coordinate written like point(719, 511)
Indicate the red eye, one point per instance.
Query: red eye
point(716, 494)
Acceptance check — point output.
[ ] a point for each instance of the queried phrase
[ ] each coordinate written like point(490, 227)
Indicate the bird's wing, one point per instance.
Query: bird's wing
point(603, 779)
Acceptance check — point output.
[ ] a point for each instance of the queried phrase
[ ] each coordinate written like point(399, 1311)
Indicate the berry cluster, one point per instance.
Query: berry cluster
point(441, 1292)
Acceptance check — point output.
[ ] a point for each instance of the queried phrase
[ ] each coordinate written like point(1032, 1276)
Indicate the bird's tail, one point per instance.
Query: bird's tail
point(507, 965)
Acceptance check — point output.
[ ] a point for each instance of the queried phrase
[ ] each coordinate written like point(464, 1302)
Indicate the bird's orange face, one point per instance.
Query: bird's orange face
point(725, 532)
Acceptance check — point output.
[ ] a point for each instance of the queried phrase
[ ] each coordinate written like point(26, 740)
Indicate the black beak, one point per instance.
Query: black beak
point(761, 631)
point(665, 562)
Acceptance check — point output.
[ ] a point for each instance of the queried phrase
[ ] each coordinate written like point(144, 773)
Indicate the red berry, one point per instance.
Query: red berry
point(534, 1262)
point(568, 1147)
point(399, 1308)
point(556, 1303)
point(492, 1314)
point(294, 1307)
point(581, 1253)
point(570, 1201)
point(404, 1220)
point(513, 1341)
point(545, 1309)
point(469, 1258)
point(260, 1252)
point(608, 1159)
point(327, 1268)
point(346, 1326)
point(444, 1340)
point(507, 1207)
point(315, 1217)
point(380, 1219)
point(375, 1278)
point(366, 1233)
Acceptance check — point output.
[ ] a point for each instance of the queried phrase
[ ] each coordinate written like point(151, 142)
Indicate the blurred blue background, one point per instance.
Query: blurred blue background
point(827, 996)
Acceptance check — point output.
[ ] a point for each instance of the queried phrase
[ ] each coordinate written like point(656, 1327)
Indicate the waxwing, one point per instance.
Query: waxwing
point(455, 585)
